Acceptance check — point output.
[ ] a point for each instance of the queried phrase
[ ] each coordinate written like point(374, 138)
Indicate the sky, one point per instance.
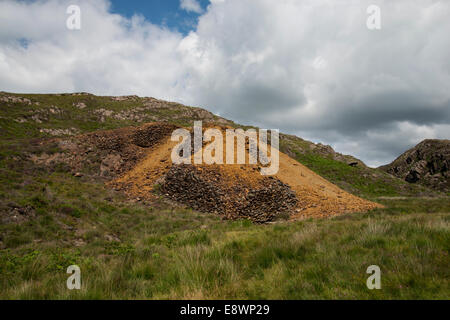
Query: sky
point(169, 13)
point(313, 68)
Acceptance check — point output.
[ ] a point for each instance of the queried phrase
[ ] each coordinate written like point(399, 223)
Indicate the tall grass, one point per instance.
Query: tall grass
point(314, 259)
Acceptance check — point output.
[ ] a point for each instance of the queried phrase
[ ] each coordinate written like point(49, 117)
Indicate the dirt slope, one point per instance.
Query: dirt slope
point(317, 196)
point(237, 191)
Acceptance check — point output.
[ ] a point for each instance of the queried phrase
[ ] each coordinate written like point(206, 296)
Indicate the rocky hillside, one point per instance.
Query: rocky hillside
point(39, 117)
point(428, 163)
point(76, 171)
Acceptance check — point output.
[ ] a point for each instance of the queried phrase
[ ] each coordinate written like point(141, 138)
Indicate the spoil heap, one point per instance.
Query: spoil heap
point(137, 160)
point(238, 191)
point(210, 189)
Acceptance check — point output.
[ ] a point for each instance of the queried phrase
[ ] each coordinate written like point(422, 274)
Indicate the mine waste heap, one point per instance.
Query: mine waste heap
point(138, 162)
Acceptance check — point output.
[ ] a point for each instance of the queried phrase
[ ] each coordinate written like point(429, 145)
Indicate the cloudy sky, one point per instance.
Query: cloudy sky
point(307, 67)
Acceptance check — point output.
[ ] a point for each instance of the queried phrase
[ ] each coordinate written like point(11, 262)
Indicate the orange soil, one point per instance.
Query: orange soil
point(139, 181)
point(317, 197)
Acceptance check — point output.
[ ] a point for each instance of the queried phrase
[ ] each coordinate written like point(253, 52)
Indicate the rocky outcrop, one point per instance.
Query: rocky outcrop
point(428, 164)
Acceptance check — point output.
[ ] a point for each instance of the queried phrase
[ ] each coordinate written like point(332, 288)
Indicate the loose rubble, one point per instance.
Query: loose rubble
point(207, 189)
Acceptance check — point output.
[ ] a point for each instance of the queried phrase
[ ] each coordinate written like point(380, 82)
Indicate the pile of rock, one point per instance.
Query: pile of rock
point(199, 190)
point(207, 189)
point(149, 134)
point(267, 203)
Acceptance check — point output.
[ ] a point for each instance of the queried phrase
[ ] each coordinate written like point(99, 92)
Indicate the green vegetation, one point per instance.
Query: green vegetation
point(177, 253)
point(131, 249)
point(358, 179)
point(354, 179)
point(22, 120)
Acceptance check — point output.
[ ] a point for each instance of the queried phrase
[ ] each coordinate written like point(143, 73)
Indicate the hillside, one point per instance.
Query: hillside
point(428, 164)
point(27, 116)
point(236, 190)
point(62, 202)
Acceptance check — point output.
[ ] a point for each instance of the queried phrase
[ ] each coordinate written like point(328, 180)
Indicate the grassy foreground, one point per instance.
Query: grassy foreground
point(167, 253)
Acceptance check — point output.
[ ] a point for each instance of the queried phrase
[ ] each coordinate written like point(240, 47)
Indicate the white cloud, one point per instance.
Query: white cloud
point(191, 6)
point(306, 67)
point(109, 55)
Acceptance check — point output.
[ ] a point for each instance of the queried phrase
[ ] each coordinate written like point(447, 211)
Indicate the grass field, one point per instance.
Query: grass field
point(129, 250)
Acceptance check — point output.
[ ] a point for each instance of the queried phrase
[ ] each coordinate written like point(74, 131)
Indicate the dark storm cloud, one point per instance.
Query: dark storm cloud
point(383, 110)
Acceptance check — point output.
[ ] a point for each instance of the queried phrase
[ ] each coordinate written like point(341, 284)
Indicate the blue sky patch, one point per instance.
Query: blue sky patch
point(161, 12)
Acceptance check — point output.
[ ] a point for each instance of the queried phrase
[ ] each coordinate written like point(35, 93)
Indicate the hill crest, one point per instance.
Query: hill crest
point(427, 163)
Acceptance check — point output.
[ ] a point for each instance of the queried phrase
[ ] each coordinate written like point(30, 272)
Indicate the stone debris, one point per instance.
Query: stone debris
point(207, 189)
